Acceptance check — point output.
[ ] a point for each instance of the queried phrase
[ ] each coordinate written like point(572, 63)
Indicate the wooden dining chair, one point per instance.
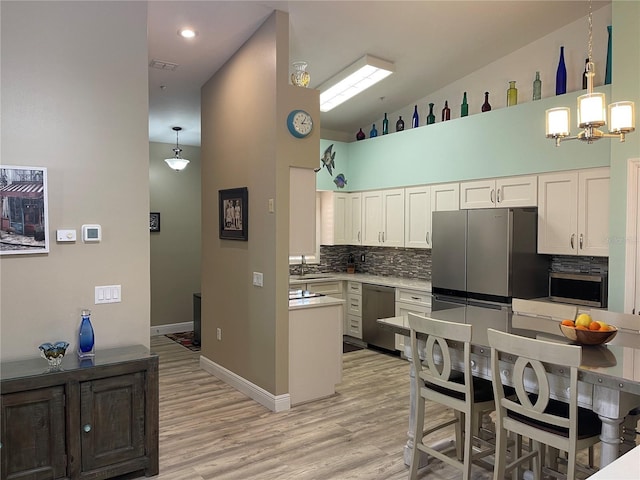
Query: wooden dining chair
point(438, 381)
point(532, 413)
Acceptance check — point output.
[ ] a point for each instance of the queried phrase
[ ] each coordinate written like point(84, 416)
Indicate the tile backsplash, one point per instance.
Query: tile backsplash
point(385, 261)
point(416, 263)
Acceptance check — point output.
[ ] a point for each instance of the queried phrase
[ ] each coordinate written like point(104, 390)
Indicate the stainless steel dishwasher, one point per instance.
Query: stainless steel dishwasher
point(377, 302)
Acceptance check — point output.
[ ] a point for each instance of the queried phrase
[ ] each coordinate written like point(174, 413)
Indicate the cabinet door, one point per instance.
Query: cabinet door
point(33, 435)
point(417, 217)
point(354, 219)
point(557, 213)
point(372, 218)
point(517, 191)
point(445, 196)
point(478, 194)
point(393, 218)
point(112, 416)
point(593, 212)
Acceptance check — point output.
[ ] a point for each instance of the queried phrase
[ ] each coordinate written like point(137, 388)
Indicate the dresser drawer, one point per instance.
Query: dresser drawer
point(415, 297)
point(354, 305)
point(354, 288)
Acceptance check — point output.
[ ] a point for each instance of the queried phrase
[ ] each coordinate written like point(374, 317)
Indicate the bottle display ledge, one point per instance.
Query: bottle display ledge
point(91, 418)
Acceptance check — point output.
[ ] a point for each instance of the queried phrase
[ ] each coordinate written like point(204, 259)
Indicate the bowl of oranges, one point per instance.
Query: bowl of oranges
point(587, 331)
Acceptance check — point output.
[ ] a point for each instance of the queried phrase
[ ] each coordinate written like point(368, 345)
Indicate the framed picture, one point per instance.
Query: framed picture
point(24, 222)
point(233, 205)
point(154, 221)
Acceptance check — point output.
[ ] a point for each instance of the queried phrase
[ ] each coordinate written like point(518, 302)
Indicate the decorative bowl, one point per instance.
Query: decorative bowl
point(53, 352)
point(588, 337)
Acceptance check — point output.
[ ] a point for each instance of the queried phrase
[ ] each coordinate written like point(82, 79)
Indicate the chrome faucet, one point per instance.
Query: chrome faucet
point(303, 262)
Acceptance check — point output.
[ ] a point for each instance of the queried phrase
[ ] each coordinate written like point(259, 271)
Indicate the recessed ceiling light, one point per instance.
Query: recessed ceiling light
point(187, 33)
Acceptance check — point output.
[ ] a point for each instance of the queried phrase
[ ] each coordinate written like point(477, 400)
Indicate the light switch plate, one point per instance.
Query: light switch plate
point(66, 235)
point(258, 279)
point(108, 294)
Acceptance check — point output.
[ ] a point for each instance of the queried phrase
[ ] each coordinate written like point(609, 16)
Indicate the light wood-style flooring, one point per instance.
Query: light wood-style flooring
point(208, 430)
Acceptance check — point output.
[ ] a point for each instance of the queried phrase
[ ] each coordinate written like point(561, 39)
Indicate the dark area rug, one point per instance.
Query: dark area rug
point(185, 339)
point(350, 347)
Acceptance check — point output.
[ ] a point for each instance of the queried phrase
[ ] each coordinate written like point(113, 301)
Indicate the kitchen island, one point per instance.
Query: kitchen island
point(609, 377)
point(315, 348)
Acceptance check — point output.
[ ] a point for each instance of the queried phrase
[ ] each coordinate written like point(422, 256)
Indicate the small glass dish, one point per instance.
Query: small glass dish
point(53, 353)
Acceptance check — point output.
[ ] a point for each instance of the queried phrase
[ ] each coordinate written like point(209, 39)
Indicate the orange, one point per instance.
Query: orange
point(568, 323)
point(581, 327)
point(594, 326)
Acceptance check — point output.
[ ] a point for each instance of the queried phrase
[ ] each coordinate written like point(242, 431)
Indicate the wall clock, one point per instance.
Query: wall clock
point(299, 123)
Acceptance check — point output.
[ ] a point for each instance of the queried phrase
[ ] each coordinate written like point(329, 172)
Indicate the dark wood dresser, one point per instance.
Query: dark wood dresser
point(92, 419)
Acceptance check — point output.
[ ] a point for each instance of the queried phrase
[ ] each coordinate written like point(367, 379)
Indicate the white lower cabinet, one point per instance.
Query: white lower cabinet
point(331, 289)
point(353, 317)
point(410, 301)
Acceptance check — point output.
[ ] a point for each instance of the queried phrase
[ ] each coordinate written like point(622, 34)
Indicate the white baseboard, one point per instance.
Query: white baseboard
point(275, 403)
point(171, 328)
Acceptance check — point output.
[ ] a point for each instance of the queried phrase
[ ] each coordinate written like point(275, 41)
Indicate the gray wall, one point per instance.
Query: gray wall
point(75, 100)
point(175, 250)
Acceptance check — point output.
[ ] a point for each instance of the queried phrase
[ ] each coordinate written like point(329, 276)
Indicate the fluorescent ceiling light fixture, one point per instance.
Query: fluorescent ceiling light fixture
point(354, 79)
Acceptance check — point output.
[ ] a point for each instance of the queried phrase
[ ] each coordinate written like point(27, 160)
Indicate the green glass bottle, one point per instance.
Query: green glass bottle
point(431, 118)
point(464, 108)
point(385, 125)
point(512, 94)
point(537, 87)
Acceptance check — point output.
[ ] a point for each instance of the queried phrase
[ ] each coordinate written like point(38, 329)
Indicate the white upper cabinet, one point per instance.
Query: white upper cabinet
point(354, 219)
point(383, 218)
point(501, 192)
point(573, 212)
point(445, 196)
point(340, 218)
point(417, 217)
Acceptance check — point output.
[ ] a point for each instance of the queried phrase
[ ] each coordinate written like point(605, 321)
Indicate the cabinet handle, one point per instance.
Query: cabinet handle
point(415, 298)
point(378, 237)
point(581, 241)
point(382, 237)
point(573, 236)
point(498, 195)
point(428, 242)
point(87, 428)
point(358, 235)
point(491, 195)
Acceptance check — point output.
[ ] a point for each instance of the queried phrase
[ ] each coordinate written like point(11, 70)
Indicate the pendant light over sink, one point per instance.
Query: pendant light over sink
point(591, 112)
point(177, 163)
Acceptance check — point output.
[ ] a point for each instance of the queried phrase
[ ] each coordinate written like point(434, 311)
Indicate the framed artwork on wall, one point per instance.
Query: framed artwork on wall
point(24, 221)
point(233, 207)
point(154, 221)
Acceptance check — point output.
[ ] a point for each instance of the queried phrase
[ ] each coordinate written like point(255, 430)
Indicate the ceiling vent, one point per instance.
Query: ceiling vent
point(160, 65)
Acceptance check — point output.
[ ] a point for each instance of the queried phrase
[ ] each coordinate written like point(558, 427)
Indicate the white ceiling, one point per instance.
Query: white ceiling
point(431, 43)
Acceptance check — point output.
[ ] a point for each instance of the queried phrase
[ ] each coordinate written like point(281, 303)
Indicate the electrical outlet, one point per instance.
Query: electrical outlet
point(362, 257)
point(219, 333)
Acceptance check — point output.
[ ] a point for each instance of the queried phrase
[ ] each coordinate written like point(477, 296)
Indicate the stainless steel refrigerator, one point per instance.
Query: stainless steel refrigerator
point(487, 255)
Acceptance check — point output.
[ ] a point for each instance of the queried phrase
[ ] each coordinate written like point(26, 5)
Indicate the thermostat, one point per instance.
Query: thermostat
point(91, 233)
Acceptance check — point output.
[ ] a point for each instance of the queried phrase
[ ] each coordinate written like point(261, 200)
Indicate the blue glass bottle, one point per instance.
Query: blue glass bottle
point(415, 121)
point(385, 125)
point(86, 339)
point(373, 132)
point(561, 75)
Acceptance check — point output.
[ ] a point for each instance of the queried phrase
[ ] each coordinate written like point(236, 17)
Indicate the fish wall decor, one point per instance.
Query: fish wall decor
point(328, 159)
point(340, 181)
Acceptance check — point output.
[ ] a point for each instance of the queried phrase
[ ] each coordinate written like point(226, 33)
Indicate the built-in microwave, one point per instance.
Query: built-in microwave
point(579, 289)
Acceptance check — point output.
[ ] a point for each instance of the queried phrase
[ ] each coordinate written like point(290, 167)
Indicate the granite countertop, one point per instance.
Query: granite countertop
point(314, 302)
point(411, 283)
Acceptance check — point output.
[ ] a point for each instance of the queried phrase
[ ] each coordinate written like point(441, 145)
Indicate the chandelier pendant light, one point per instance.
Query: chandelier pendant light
point(591, 112)
point(177, 163)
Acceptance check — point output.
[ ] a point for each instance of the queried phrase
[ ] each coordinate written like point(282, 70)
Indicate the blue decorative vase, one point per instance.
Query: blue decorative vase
point(86, 339)
point(415, 121)
point(607, 73)
point(561, 75)
point(373, 132)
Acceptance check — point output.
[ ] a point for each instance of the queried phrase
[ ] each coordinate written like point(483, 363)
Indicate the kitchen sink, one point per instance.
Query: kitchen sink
point(310, 276)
